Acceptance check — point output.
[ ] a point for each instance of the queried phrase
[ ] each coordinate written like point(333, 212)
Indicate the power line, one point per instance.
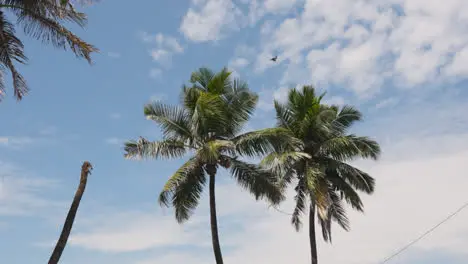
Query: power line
point(425, 234)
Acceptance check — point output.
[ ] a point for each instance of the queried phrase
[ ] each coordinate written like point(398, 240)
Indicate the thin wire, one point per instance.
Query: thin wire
point(425, 234)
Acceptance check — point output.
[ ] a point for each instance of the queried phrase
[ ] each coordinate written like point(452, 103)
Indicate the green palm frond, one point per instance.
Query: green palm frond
point(258, 181)
point(265, 141)
point(43, 20)
point(188, 169)
point(142, 148)
point(241, 103)
point(284, 116)
point(11, 50)
point(301, 201)
point(346, 191)
point(209, 116)
point(220, 82)
point(348, 147)
point(174, 121)
point(360, 180)
point(345, 118)
point(211, 151)
point(186, 194)
point(283, 163)
point(202, 77)
point(335, 212)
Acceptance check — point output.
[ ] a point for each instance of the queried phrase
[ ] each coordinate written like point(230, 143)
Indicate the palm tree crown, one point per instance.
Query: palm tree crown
point(321, 170)
point(207, 125)
point(43, 20)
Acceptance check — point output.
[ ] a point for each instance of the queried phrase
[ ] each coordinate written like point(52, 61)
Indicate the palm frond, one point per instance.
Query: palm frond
point(258, 181)
point(301, 201)
point(265, 141)
point(240, 102)
point(202, 78)
point(284, 163)
point(173, 120)
point(11, 49)
point(50, 31)
point(284, 117)
point(345, 118)
point(142, 148)
point(354, 176)
point(220, 82)
point(335, 212)
point(348, 147)
point(211, 151)
point(346, 191)
point(186, 189)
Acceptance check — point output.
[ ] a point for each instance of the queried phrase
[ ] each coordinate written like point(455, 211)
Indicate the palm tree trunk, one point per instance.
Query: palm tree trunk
point(67, 227)
point(313, 242)
point(214, 222)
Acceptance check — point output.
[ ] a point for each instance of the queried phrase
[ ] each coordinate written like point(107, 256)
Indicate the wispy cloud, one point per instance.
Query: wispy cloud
point(365, 45)
point(165, 47)
point(23, 195)
point(15, 142)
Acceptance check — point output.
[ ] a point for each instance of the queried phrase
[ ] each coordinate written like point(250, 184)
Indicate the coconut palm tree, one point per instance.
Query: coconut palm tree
point(42, 20)
point(320, 170)
point(67, 227)
point(207, 126)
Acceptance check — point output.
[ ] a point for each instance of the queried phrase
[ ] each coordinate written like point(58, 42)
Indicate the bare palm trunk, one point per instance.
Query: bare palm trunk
point(214, 222)
point(313, 242)
point(67, 227)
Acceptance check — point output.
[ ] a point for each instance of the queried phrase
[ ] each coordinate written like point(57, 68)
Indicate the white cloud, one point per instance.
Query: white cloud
point(15, 142)
point(363, 45)
point(391, 101)
point(211, 20)
point(22, 195)
point(239, 63)
point(280, 6)
point(165, 47)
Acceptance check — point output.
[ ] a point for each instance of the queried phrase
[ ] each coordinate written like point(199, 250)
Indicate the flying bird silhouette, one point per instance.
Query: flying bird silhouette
point(274, 58)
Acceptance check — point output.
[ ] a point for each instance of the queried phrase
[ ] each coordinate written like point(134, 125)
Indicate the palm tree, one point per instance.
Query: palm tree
point(43, 20)
point(207, 125)
point(320, 169)
point(67, 227)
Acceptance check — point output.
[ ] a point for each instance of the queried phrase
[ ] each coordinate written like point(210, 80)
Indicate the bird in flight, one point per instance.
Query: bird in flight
point(274, 58)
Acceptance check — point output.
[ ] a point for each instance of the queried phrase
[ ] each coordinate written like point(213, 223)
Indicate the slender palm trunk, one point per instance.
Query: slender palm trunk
point(67, 227)
point(214, 222)
point(313, 242)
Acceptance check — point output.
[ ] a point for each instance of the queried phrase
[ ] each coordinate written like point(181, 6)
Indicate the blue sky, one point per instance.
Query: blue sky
point(402, 62)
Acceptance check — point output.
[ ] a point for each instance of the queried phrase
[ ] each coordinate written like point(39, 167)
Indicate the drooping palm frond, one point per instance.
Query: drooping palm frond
point(258, 181)
point(187, 192)
point(360, 180)
point(265, 141)
point(301, 201)
point(11, 50)
point(43, 20)
point(142, 148)
point(335, 212)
